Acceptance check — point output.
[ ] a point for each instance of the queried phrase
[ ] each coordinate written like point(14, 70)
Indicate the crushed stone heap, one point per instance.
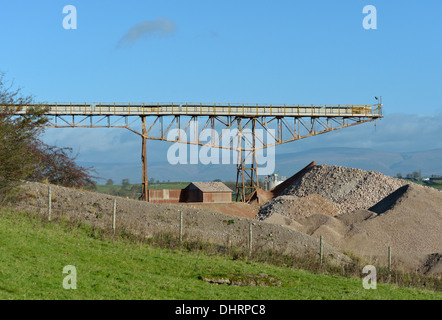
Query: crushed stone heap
point(351, 189)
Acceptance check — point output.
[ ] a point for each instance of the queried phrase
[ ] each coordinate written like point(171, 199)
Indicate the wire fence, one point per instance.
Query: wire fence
point(187, 225)
point(184, 227)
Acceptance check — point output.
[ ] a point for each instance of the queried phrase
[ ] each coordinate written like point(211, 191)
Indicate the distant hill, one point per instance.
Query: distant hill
point(389, 163)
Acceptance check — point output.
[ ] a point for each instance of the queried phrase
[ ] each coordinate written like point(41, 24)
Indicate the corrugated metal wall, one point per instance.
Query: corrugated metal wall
point(183, 195)
point(165, 195)
point(217, 197)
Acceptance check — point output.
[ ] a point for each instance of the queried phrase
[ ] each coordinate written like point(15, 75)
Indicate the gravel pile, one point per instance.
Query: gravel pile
point(364, 212)
point(409, 220)
point(294, 207)
point(351, 189)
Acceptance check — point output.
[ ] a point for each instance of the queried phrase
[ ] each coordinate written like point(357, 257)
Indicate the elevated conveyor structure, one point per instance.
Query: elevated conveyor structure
point(281, 123)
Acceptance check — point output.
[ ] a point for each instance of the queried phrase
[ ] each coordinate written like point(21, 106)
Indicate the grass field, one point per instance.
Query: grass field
point(436, 184)
point(159, 185)
point(33, 254)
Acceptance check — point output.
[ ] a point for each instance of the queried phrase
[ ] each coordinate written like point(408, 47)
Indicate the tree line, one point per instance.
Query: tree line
point(416, 175)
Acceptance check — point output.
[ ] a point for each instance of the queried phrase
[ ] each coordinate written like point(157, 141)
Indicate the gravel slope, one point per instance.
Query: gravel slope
point(292, 206)
point(409, 220)
point(350, 189)
point(148, 219)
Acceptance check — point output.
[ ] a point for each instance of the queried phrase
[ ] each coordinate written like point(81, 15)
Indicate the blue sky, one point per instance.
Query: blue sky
point(229, 51)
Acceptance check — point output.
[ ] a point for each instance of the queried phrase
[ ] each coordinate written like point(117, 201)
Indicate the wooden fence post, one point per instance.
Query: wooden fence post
point(250, 238)
point(181, 226)
point(321, 250)
point(389, 258)
point(114, 216)
point(49, 203)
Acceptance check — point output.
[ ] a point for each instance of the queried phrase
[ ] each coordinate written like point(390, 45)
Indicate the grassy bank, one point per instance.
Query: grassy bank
point(33, 254)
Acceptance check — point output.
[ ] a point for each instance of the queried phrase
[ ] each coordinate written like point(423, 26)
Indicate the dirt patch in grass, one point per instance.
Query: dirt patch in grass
point(244, 280)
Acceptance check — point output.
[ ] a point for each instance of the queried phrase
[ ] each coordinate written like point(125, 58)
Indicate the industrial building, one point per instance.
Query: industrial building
point(211, 192)
point(206, 192)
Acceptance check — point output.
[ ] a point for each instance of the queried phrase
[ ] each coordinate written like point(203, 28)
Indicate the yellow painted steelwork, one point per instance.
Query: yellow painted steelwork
point(245, 110)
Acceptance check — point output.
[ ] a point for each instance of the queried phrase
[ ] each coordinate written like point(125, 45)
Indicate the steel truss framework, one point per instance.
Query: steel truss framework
point(245, 130)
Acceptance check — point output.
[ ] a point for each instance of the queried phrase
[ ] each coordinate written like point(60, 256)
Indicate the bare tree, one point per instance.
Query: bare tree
point(22, 154)
point(16, 134)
